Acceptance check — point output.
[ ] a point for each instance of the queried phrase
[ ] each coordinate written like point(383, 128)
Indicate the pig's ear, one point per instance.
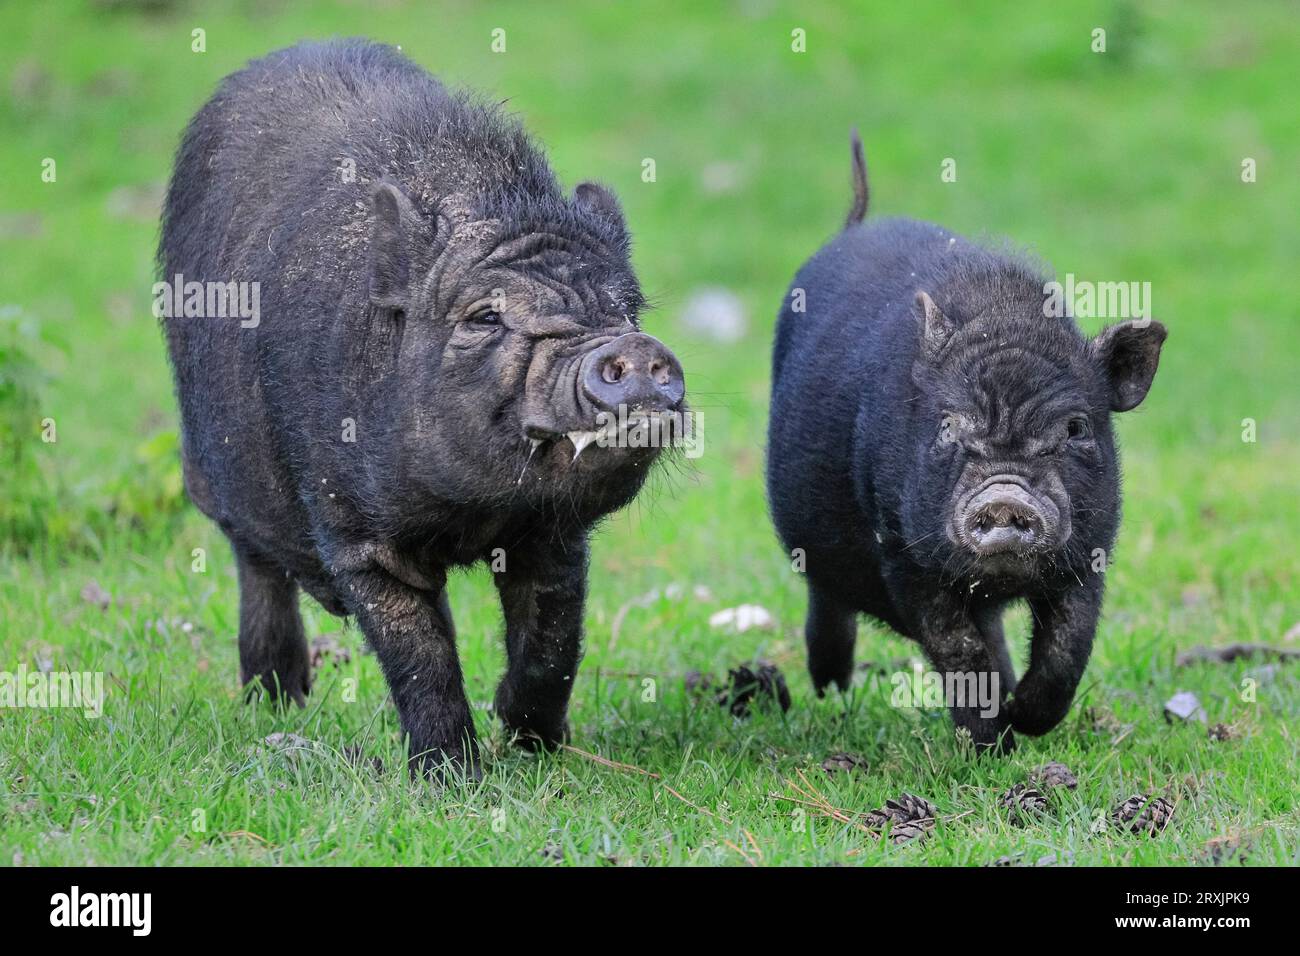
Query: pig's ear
point(937, 328)
point(1129, 354)
point(600, 200)
point(398, 228)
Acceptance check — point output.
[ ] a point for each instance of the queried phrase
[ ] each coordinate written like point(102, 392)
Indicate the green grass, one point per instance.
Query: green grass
point(1117, 166)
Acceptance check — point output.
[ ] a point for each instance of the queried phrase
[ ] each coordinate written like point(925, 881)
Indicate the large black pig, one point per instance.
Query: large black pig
point(940, 446)
point(438, 330)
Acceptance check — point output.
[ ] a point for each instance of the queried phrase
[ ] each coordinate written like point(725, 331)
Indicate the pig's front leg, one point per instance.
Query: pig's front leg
point(1064, 627)
point(972, 674)
point(403, 616)
point(542, 589)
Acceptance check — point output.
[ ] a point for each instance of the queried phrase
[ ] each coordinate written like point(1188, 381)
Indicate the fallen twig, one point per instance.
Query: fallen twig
point(606, 762)
point(1227, 653)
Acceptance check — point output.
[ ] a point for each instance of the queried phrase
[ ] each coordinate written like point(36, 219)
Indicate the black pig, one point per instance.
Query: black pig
point(440, 332)
point(940, 445)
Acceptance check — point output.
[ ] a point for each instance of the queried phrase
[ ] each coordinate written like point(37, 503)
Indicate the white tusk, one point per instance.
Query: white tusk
point(533, 451)
point(580, 441)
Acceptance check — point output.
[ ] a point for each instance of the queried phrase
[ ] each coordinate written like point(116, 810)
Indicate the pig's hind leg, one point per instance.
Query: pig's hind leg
point(272, 646)
point(830, 631)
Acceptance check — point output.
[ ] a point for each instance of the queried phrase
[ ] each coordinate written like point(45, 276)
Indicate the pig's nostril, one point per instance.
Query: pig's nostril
point(613, 371)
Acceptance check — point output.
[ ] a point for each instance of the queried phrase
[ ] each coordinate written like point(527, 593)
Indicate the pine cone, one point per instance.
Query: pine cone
point(1140, 814)
point(911, 808)
point(354, 755)
point(553, 853)
point(907, 817)
point(697, 683)
point(1106, 724)
point(1232, 848)
point(907, 832)
point(325, 648)
point(1054, 774)
point(843, 762)
point(1019, 859)
point(746, 685)
point(1024, 803)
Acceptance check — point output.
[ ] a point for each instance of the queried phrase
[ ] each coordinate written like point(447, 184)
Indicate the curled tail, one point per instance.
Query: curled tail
point(858, 212)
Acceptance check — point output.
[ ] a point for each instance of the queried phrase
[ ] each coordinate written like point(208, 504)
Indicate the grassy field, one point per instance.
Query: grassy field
point(1123, 165)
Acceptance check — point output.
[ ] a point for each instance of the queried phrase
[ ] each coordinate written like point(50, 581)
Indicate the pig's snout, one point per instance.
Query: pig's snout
point(636, 371)
point(1005, 518)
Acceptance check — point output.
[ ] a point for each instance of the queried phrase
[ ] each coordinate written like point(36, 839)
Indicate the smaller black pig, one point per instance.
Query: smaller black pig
point(940, 446)
point(442, 333)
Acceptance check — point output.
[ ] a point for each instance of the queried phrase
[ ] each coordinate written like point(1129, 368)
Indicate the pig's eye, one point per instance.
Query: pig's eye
point(485, 318)
point(949, 429)
point(1078, 429)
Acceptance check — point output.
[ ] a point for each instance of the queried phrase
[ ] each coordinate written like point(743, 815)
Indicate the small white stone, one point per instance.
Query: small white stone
point(746, 617)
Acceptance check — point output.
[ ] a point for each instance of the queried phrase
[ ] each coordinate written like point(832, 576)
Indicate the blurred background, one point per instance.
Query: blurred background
point(1122, 165)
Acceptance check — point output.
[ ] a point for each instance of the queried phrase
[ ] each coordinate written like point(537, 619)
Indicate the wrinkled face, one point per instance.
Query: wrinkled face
point(534, 374)
point(1017, 457)
point(1019, 470)
point(544, 334)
